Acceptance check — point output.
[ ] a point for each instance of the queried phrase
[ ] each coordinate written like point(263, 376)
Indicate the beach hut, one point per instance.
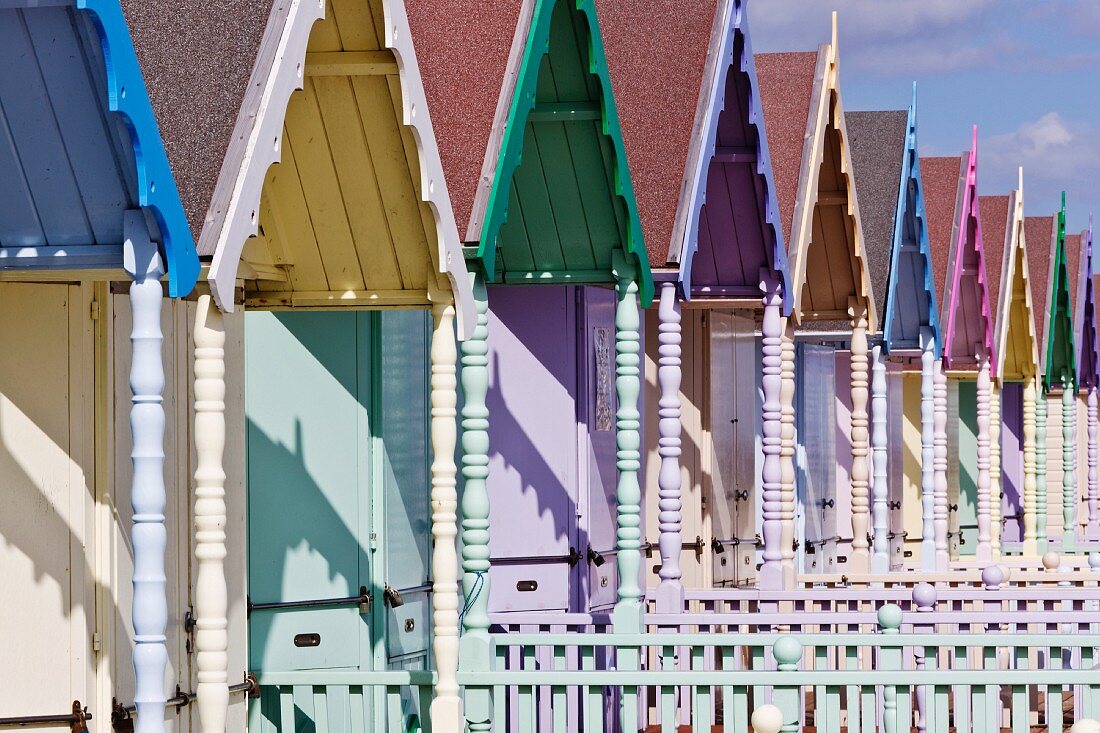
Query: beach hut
point(1088, 369)
point(888, 177)
point(1016, 371)
point(94, 441)
point(331, 227)
point(961, 274)
point(702, 174)
point(833, 304)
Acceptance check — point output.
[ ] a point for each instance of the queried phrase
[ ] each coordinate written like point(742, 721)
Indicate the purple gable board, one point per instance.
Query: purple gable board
point(1085, 318)
point(1012, 461)
point(731, 230)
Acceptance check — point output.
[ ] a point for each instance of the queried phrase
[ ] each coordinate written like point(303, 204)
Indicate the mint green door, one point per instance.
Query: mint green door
point(968, 468)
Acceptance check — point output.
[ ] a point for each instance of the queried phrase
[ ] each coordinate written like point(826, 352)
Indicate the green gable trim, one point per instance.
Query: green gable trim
point(1060, 352)
point(562, 203)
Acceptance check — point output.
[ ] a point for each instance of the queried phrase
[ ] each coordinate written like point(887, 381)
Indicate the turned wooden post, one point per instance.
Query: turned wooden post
point(1093, 529)
point(446, 708)
point(880, 508)
point(943, 558)
point(861, 556)
point(670, 592)
point(995, 468)
point(1040, 469)
point(984, 551)
point(1069, 463)
point(628, 608)
point(211, 596)
point(927, 451)
point(1030, 547)
point(787, 449)
point(771, 478)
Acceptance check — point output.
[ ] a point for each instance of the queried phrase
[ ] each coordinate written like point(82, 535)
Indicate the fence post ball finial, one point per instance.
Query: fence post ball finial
point(1085, 725)
point(767, 719)
point(993, 576)
point(924, 597)
point(889, 618)
point(1052, 560)
point(787, 652)
point(1094, 560)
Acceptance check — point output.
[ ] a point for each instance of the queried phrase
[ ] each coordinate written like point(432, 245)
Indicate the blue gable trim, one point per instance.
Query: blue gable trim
point(929, 311)
point(156, 185)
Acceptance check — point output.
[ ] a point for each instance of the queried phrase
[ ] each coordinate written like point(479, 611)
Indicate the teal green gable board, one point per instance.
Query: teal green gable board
point(562, 203)
point(1060, 359)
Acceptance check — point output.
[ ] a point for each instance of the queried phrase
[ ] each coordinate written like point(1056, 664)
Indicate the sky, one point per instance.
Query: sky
point(1027, 73)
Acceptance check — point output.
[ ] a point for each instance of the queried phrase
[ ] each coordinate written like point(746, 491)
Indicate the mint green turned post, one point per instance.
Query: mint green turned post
point(787, 652)
point(1041, 471)
point(890, 658)
point(475, 647)
point(1069, 463)
point(627, 616)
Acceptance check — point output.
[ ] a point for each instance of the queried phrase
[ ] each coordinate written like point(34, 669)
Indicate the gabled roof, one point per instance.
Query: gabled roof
point(996, 216)
point(692, 126)
point(813, 173)
point(959, 254)
point(1058, 349)
point(1040, 236)
point(1088, 346)
point(554, 202)
point(82, 145)
point(1017, 348)
point(357, 211)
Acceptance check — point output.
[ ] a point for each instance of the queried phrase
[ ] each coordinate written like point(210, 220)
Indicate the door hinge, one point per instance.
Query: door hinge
point(95, 643)
point(374, 540)
point(93, 310)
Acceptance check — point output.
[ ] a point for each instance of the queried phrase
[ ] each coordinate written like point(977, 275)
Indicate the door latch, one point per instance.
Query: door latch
point(574, 557)
point(595, 557)
point(392, 597)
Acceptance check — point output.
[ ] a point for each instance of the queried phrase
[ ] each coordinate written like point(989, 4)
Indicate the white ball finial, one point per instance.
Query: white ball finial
point(767, 719)
point(1052, 560)
point(1085, 725)
point(1094, 560)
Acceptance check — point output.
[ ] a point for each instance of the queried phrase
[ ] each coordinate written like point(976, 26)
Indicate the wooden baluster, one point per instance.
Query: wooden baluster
point(984, 550)
point(924, 600)
point(995, 423)
point(211, 596)
point(787, 449)
point(1093, 529)
point(927, 451)
point(861, 556)
point(446, 708)
point(787, 652)
point(1069, 464)
point(475, 646)
point(943, 558)
point(880, 560)
point(1030, 390)
point(771, 572)
point(149, 536)
point(1040, 469)
point(890, 658)
point(670, 591)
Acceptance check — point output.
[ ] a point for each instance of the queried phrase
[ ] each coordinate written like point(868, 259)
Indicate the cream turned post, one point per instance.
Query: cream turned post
point(787, 448)
point(446, 709)
point(995, 469)
point(861, 556)
point(1069, 464)
point(1093, 530)
point(940, 512)
point(627, 616)
point(1040, 469)
point(475, 647)
point(984, 551)
point(1030, 547)
point(145, 266)
point(670, 591)
point(211, 597)
point(771, 477)
point(880, 512)
point(927, 451)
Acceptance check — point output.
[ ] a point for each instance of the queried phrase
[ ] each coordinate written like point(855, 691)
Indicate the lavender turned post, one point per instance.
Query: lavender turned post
point(628, 608)
point(1069, 463)
point(771, 478)
point(1093, 530)
point(787, 447)
point(861, 556)
point(1030, 390)
point(927, 451)
point(924, 600)
point(984, 551)
point(670, 592)
point(943, 559)
point(145, 266)
point(1040, 469)
point(880, 512)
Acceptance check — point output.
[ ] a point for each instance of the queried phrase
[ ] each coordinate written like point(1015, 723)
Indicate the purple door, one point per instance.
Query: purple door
point(1012, 463)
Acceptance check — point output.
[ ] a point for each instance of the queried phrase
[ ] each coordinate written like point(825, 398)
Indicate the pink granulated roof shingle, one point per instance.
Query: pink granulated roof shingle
point(994, 212)
point(940, 178)
point(1037, 236)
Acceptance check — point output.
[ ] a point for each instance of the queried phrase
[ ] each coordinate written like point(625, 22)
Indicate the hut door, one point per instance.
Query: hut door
point(954, 470)
point(896, 449)
point(968, 468)
point(1012, 463)
point(307, 406)
point(816, 451)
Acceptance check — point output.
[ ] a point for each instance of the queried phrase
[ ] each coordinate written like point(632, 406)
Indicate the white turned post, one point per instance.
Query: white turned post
point(984, 551)
point(995, 423)
point(943, 558)
point(787, 448)
point(1030, 547)
point(880, 559)
point(771, 475)
point(670, 591)
point(927, 451)
point(149, 536)
point(1069, 464)
point(861, 556)
point(446, 709)
point(1093, 530)
point(211, 597)
point(1040, 469)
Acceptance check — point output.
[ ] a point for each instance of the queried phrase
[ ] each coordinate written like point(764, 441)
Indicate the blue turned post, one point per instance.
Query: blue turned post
point(145, 266)
point(475, 647)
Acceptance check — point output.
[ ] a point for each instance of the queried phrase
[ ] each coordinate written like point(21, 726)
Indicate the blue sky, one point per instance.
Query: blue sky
point(1027, 73)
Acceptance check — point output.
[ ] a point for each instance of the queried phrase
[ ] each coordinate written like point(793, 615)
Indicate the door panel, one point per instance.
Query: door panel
point(895, 462)
point(967, 461)
point(723, 414)
point(1012, 462)
point(816, 459)
point(747, 430)
point(953, 536)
